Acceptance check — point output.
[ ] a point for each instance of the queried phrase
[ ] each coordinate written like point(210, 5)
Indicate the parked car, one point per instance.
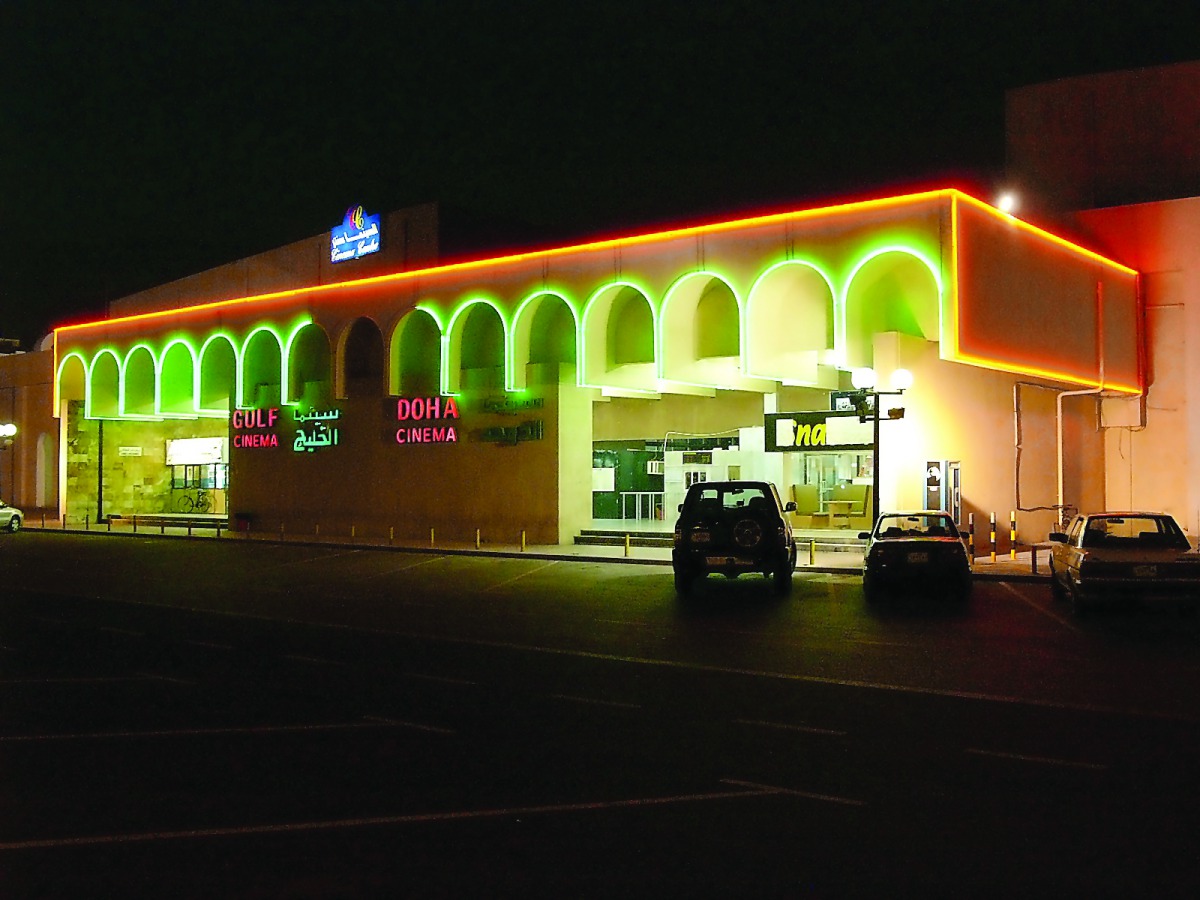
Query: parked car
point(919, 551)
point(733, 527)
point(10, 517)
point(1118, 556)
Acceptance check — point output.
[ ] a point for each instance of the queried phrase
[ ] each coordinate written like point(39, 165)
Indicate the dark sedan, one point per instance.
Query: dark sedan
point(918, 551)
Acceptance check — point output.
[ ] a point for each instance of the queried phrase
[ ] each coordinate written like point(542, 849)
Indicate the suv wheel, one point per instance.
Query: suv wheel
point(14, 524)
point(683, 582)
point(781, 579)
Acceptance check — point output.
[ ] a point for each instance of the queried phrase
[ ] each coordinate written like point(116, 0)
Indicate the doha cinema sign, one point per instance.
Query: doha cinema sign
point(357, 236)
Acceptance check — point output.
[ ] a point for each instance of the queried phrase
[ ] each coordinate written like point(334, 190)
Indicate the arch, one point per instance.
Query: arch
point(217, 380)
point(545, 332)
point(700, 332)
point(71, 380)
point(891, 289)
point(361, 360)
point(261, 370)
point(309, 367)
point(619, 340)
point(476, 338)
point(790, 317)
point(177, 379)
point(415, 357)
point(103, 400)
point(139, 382)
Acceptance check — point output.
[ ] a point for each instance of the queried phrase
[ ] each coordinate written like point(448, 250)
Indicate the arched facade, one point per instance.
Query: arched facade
point(540, 361)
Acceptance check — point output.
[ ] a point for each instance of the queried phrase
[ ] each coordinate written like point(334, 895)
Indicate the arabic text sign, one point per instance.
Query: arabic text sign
point(315, 430)
point(358, 235)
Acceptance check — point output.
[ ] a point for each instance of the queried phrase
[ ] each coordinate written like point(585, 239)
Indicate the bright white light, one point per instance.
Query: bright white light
point(8, 429)
point(863, 379)
point(902, 380)
point(1007, 202)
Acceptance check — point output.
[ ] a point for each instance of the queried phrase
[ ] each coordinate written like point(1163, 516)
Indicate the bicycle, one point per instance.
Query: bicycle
point(189, 503)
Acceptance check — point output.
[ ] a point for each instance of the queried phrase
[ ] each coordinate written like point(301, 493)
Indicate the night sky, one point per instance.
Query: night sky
point(143, 142)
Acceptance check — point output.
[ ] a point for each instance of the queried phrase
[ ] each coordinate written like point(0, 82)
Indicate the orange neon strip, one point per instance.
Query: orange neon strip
point(611, 243)
point(608, 244)
point(1045, 235)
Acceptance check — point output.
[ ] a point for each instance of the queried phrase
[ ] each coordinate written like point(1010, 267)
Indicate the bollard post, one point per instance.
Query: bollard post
point(1012, 534)
point(135, 524)
point(317, 530)
point(281, 529)
point(110, 523)
point(64, 525)
point(476, 538)
point(162, 527)
point(812, 552)
point(391, 534)
point(522, 540)
point(189, 528)
point(971, 536)
point(992, 538)
point(1033, 557)
point(353, 532)
point(218, 529)
point(87, 522)
point(430, 537)
point(43, 520)
point(626, 543)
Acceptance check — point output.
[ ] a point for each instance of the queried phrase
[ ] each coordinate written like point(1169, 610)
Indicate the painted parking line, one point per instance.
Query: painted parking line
point(440, 679)
point(782, 726)
point(595, 701)
point(749, 791)
point(1042, 760)
point(312, 660)
point(367, 722)
point(791, 792)
point(507, 581)
point(1066, 623)
point(208, 645)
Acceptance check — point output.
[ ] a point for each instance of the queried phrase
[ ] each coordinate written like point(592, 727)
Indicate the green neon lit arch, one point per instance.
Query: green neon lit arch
point(521, 334)
point(452, 352)
point(755, 298)
point(842, 348)
point(597, 297)
point(672, 293)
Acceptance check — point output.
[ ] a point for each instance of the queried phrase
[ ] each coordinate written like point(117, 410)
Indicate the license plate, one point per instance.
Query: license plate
point(918, 556)
point(1145, 571)
point(728, 561)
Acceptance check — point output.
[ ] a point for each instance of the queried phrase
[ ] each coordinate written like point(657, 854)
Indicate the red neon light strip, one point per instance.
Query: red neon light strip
point(673, 234)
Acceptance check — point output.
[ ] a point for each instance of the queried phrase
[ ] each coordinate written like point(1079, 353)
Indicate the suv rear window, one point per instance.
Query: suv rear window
point(712, 500)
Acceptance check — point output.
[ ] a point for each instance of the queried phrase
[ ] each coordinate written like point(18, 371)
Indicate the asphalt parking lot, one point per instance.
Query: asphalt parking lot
point(203, 718)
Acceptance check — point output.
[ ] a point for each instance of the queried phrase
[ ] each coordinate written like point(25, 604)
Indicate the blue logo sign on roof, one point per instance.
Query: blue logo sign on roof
point(358, 235)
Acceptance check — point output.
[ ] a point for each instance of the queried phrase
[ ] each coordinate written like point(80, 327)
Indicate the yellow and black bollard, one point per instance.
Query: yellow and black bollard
point(992, 538)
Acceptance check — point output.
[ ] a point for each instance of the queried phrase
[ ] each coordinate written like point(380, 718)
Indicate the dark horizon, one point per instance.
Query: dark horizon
point(151, 144)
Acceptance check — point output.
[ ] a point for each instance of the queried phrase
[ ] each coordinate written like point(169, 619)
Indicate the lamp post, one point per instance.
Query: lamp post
point(866, 403)
point(7, 432)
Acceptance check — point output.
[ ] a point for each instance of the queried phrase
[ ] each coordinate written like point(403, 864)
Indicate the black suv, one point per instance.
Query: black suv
point(733, 527)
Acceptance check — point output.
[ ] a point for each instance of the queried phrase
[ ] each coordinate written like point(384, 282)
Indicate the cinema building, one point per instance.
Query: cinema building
point(355, 384)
